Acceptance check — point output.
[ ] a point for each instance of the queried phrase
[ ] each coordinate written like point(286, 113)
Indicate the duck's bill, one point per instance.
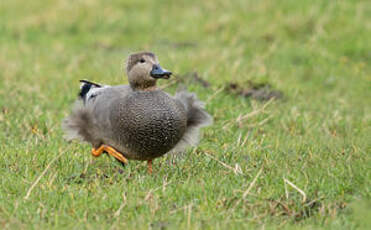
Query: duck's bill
point(159, 72)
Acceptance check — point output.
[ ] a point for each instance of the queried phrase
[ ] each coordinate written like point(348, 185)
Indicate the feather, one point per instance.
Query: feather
point(86, 87)
point(197, 117)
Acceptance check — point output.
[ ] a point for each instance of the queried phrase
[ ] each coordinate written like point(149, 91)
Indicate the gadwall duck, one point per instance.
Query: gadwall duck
point(137, 121)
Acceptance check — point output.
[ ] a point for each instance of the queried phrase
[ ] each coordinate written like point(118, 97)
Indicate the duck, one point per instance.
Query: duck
point(137, 121)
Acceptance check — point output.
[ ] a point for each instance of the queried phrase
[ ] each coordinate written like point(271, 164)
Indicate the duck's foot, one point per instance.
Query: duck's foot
point(111, 151)
point(149, 166)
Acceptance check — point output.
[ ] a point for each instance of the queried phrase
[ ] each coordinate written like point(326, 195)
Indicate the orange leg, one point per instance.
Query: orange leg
point(149, 166)
point(111, 151)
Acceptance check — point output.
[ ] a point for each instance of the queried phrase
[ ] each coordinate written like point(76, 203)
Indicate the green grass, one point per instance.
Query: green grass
point(318, 53)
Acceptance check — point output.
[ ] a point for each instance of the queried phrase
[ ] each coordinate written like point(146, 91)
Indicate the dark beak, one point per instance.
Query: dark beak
point(158, 72)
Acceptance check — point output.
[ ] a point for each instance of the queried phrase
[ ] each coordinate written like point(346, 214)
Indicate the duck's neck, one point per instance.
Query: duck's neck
point(152, 88)
point(143, 87)
point(141, 84)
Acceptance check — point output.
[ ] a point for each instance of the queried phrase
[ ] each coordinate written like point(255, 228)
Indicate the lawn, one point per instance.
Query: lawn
point(298, 160)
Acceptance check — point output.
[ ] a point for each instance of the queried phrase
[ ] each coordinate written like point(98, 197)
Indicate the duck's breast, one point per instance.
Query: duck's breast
point(148, 124)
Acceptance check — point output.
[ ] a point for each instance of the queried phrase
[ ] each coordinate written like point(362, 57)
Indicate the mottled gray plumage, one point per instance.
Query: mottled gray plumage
point(138, 120)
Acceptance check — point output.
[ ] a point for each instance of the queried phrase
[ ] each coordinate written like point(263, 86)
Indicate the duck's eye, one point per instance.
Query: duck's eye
point(142, 60)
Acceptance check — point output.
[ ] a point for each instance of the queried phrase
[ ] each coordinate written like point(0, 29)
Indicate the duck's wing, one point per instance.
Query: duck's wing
point(89, 119)
point(89, 90)
point(197, 117)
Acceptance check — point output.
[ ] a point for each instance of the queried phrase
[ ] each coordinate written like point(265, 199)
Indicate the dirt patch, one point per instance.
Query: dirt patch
point(192, 78)
point(257, 91)
point(179, 44)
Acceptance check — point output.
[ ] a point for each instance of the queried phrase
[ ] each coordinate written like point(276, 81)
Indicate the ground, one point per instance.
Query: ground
point(296, 157)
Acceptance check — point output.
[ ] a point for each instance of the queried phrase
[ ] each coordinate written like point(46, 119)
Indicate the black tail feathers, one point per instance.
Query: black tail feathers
point(86, 86)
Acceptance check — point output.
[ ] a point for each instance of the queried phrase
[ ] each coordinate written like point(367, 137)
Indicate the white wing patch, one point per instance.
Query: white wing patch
point(95, 91)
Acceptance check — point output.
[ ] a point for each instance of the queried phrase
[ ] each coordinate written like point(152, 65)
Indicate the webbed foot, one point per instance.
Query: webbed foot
point(111, 151)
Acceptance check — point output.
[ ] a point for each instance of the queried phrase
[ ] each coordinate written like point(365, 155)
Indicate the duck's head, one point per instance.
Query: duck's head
point(143, 70)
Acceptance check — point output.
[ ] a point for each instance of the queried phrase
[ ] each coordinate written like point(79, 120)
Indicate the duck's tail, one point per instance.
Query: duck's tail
point(197, 117)
point(80, 124)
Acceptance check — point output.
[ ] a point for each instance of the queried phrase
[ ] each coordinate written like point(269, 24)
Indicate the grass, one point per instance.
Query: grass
point(299, 162)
